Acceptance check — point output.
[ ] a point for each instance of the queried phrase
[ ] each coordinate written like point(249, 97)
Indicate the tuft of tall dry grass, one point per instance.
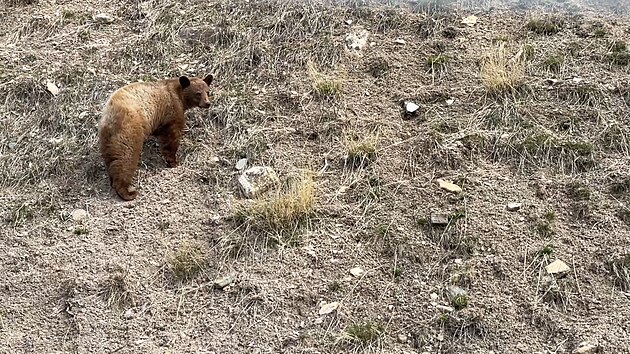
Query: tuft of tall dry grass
point(324, 86)
point(500, 74)
point(283, 209)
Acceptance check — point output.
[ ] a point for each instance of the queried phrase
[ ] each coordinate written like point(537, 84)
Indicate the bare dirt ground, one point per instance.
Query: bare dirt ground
point(527, 105)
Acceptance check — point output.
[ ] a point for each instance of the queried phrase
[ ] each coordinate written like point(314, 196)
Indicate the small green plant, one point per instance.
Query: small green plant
point(335, 286)
point(20, 214)
point(498, 39)
point(544, 225)
point(550, 215)
point(554, 63)
point(574, 48)
point(80, 231)
point(397, 271)
point(328, 88)
point(580, 148)
point(460, 301)
point(619, 54)
point(437, 61)
point(381, 230)
point(84, 35)
point(529, 51)
point(457, 215)
point(548, 26)
point(547, 250)
point(621, 58)
point(618, 47)
point(600, 32)
point(187, 262)
point(365, 333)
point(324, 86)
point(624, 215)
point(578, 191)
point(67, 14)
point(422, 221)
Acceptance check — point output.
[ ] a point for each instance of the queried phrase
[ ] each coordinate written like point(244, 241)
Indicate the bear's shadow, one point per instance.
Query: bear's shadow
point(93, 168)
point(151, 158)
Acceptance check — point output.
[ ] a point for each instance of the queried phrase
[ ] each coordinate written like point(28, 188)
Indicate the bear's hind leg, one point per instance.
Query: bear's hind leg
point(168, 137)
point(122, 169)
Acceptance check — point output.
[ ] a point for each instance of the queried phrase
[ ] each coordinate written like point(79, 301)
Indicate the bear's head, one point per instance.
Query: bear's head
point(195, 91)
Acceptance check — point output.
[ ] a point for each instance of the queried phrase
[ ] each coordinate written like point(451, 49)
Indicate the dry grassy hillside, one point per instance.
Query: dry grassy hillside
point(359, 249)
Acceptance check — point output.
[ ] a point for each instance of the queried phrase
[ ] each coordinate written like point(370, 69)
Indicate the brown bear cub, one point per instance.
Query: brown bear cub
point(139, 110)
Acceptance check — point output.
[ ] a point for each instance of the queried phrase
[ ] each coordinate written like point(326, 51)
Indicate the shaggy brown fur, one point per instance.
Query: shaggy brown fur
point(139, 110)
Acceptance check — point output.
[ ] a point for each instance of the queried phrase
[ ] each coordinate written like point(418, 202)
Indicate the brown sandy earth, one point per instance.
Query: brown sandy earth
point(105, 283)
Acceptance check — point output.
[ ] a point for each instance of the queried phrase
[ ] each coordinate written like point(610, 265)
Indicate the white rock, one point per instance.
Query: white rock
point(449, 186)
point(411, 107)
point(79, 214)
point(450, 101)
point(514, 206)
point(444, 308)
point(402, 338)
point(399, 41)
point(357, 272)
point(356, 41)
point(434, 296)
point(52, 88)
point(240, 164)
point(257, 180)
point(470, 20)
point(557, 267)
point(222, 282)
point(328, 308)
point(586, 348)
point(103, 18)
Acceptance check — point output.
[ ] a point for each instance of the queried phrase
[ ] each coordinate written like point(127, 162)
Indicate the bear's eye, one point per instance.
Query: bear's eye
point(198, 94)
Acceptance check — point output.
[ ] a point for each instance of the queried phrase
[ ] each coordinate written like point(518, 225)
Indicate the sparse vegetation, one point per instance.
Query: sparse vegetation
point(116, 290)
point(545, 26)
point(364, 333)
point(361, 150)
point(283, 210)
point(554, 63)
point(187, 262)
point(500, 74)
point(578, 191)
point(493, 119)
point(379, 67)
point(620, 269)
point(460, 301)
point(324, 86)
point(544, 225)
point(437, 62)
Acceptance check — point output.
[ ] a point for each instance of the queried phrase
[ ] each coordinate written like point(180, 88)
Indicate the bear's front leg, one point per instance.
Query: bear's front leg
point(168, 137)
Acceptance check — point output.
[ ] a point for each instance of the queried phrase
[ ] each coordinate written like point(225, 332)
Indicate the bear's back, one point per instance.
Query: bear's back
point(145, 103)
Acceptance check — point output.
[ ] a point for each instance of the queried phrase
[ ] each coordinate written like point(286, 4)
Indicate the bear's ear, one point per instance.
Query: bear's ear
point(208, 79)
point(184, 81)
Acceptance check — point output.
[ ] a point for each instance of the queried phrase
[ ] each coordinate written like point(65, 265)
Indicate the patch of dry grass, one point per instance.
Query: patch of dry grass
point(620, 269)
point(283, 209)
point(187, 262)
point(361, 150)
point(327, 86)
point(116, 290)
point(500, 74)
